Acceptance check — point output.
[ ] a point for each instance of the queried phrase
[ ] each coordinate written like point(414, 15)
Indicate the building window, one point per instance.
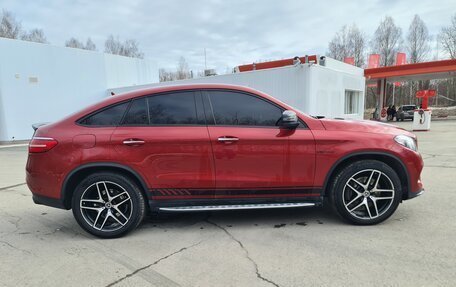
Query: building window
point(352, 102)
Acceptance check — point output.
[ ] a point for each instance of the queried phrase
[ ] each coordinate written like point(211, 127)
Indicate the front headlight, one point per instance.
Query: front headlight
point(406, 141)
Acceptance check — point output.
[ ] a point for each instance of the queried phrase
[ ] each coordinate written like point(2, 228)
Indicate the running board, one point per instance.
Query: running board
point(237, 207)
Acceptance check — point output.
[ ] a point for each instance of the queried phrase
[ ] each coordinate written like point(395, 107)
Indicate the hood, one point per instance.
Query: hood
point(363, 127)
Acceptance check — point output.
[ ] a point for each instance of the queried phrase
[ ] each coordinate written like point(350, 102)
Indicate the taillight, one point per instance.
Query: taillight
point(41, 144)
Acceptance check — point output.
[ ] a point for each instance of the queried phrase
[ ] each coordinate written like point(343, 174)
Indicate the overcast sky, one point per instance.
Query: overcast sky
point(232, 31)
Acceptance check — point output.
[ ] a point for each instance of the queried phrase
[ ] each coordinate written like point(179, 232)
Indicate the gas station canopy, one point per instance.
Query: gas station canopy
point(418, 71)
point(401, 73)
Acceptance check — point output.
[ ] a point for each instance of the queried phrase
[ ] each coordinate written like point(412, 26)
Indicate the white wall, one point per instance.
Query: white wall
point(329, 86)
point(312, 88)
point(42, 83)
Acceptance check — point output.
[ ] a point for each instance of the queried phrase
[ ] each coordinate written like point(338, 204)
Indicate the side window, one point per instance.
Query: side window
point(173, 109)
point(138, 114)
point(232, 108)
point(107, 117)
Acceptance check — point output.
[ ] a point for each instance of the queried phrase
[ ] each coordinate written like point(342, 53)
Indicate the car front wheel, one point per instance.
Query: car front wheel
point(366, 192)
point(108, 205)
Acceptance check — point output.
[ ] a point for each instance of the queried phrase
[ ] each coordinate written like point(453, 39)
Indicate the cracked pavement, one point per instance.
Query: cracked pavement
point(43, 246)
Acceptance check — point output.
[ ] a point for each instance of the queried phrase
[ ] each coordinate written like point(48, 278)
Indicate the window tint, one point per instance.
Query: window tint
point(173, 109)
point(232, 108)
point(137, 113)
point(107, 117)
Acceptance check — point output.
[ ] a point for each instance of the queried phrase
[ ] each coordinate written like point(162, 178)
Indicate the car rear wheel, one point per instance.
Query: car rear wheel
point(108, 205)
point(366, 192)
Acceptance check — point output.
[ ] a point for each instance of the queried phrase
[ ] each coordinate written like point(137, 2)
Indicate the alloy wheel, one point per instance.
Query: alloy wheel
point(368, 194)
point(106, 206)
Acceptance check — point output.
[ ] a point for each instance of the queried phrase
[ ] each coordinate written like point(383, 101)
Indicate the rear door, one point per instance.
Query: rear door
point(165, 137)
point(253, 155)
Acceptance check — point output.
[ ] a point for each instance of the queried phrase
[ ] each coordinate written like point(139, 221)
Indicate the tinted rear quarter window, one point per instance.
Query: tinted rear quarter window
point(110, 116)
point(173, 109)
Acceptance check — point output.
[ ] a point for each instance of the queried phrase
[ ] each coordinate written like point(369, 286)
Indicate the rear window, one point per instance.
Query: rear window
point(110, 116)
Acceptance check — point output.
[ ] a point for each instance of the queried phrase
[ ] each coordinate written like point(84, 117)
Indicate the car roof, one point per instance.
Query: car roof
point(117, 98)
point(180, 87)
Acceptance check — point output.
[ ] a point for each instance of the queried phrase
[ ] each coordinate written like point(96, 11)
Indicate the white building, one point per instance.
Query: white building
point(42, 83)
point(324, 87)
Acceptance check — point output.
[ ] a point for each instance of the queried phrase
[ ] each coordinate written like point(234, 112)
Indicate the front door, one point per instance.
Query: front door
point(251, 152)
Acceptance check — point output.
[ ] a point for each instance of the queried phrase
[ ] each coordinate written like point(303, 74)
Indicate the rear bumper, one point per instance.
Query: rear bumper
point(49, 201)
point(411, 195)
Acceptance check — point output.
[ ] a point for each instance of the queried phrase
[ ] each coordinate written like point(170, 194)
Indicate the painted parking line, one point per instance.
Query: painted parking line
point(11, 186)
point(13, 145)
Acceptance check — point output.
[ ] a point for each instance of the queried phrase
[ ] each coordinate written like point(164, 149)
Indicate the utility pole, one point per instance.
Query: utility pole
point(205, 62)
point(394, 88)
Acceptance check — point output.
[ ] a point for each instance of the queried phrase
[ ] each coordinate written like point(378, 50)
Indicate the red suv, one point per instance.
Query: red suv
point(215, 147)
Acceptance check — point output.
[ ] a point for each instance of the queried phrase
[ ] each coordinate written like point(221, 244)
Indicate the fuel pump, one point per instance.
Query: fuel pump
point(422, 116)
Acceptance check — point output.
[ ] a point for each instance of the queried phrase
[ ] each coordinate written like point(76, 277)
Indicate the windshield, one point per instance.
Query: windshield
point(408, 108)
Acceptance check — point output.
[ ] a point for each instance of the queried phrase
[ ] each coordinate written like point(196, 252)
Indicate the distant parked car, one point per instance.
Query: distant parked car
point(216, 147)
point(405, 112)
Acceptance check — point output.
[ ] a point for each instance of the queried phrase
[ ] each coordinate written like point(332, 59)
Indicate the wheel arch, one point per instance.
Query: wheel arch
point(393, 161)
point(77, 174)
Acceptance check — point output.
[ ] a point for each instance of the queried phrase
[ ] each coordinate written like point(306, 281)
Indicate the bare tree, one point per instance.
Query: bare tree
point(166, 76)
point(90, 45)
point(386, 41)
point(74, 43)
point(9, 26)
point(348, 42)
point(338, 46)
point(448, 38)
point(113, 45)
point(129, 48)
point(182, 70)
point(418, 40)
point(357, 45)
point(35, 35)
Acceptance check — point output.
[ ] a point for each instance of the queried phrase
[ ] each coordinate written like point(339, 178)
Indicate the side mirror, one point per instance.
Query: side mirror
point(289, 120)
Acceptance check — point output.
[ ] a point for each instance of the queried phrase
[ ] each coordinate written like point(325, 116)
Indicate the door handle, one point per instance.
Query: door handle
point(133, 142)
point(228, 139)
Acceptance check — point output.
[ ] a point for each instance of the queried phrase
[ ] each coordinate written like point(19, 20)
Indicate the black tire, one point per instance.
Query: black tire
point(345, 192)
point(107, 217)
